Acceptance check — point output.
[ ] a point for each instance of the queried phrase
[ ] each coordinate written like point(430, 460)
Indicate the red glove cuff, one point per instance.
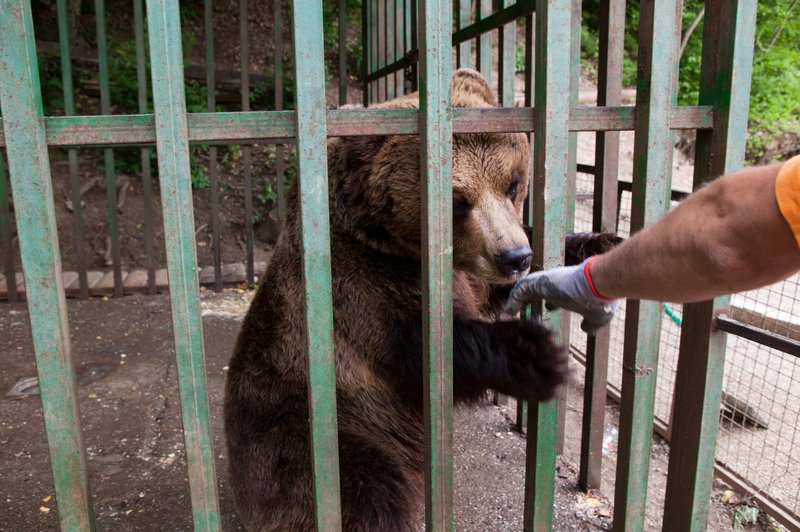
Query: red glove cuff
point(587, 274)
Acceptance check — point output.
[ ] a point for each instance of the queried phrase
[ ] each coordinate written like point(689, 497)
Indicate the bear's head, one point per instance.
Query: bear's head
point(375, 185)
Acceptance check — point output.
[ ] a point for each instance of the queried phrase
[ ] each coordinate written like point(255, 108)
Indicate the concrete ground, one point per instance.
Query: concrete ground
point(134, 446)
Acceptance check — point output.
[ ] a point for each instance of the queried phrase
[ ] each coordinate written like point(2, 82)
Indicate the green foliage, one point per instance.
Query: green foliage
point(775, 92)
point(744, 516)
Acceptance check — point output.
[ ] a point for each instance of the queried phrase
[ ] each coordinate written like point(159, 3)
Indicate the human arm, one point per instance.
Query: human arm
point(727, 237)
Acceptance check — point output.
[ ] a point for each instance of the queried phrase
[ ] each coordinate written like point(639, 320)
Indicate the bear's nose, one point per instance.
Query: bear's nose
point(514, 260)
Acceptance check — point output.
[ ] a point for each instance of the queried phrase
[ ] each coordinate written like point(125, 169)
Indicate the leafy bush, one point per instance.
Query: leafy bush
point(774, 121)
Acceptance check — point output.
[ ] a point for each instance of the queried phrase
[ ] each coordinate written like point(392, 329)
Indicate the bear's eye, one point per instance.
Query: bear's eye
point(513, 188)
point(461, 205)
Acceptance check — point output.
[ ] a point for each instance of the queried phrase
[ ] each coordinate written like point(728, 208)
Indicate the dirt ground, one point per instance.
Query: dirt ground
point(130, 413)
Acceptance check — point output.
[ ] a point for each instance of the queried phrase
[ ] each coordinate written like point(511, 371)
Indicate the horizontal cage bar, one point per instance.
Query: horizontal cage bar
point(265, 126)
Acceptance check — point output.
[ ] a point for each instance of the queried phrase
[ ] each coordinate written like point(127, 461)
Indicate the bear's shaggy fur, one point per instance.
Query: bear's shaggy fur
point(375, 244)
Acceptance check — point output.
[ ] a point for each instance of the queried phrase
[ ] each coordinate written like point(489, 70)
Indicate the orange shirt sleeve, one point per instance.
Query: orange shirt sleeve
point(787, 192)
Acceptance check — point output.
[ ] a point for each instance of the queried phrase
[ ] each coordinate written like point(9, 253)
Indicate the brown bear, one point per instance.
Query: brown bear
point(375, 244)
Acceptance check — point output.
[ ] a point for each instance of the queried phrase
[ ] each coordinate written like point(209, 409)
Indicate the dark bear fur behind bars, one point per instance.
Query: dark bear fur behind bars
point(376, 271)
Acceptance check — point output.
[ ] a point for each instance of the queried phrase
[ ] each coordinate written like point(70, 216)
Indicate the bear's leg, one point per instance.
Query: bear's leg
point(377, 492)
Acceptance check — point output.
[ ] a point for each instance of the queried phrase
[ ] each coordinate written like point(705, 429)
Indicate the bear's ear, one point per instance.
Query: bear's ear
point(470, 89)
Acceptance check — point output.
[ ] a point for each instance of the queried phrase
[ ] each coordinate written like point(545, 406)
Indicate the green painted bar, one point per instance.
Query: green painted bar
point(213, 174)
point(390, 55)
point(569, 207)
point(436, 164)
point(380, 30)
point(651, 184)
point(147, 177)
point(375, 89)
point(260, 126)
point(548, 208)
point(244, 39)
point(20, 97)
point(74, 177)
point(5, 232)
point(342, 53)
point(399, 35)
point(464, 58)
point(507, 55)
point(604, 218)
point(108, 153)
point(729, 34)
point(280, 151)
point(365, 53)
point(484, 41)
point(166, 58)
point(316, 258)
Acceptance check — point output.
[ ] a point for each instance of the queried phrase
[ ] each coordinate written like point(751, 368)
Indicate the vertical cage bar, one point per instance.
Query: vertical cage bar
point(651, 183)
point(725, 75)
point(609, 91)
point(464, 50)
point(147, 174)
point(280, 149)
point(506, 65)
point(375, 93)
point(548, 208)
point(244, 37)
point(380, 30)
point(484, 41)
point(342, 52)
point(527, 215)
point(72, 154)
point(390, 51)
point(569, 207)
point(211, 84)
point(399, 50)
point(365, 53)
point(166, 59)
point(413, 35)
point(436, 145)
point(23, 121)
point(108, 153)
point(5, 233)
point(316, 258)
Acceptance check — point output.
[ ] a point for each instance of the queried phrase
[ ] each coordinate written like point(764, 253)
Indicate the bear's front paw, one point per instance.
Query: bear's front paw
point(538, 363)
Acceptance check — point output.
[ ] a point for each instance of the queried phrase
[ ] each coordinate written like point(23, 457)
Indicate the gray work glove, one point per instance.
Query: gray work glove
point(567, 288)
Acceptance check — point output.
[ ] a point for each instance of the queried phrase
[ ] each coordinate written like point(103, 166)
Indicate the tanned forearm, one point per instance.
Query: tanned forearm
point(728, 237)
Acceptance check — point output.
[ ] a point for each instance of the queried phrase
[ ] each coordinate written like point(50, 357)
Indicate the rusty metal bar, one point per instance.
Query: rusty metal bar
point(725, 73)
point(490, 21)
point(21, 100)
point(380, 29)
point(436, 147)
point(484, 39)
point(609, 91)
point(280, 150)
point(108, 153)
point(651, 185)
point(365, 53)
point(764, 337)
point(166, 61)
point(399, 47)
point(464, 49)
point(316, 259)
point(72, 154)
point(244, 38)
point(342, 52)
point(213, 174)
point(5, 233)
point(506, 65)
point(260, 126)
point(374, 92)
point(147, 178)
point(548, 208)
point(390, 51)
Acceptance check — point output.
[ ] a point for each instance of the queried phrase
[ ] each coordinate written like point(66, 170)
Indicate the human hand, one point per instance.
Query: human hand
point(568, 288)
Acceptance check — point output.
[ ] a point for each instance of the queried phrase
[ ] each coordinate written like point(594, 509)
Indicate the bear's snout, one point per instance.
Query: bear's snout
point(515, 260)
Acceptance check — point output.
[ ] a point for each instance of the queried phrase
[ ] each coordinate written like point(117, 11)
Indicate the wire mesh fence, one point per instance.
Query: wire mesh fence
point(759, 438)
